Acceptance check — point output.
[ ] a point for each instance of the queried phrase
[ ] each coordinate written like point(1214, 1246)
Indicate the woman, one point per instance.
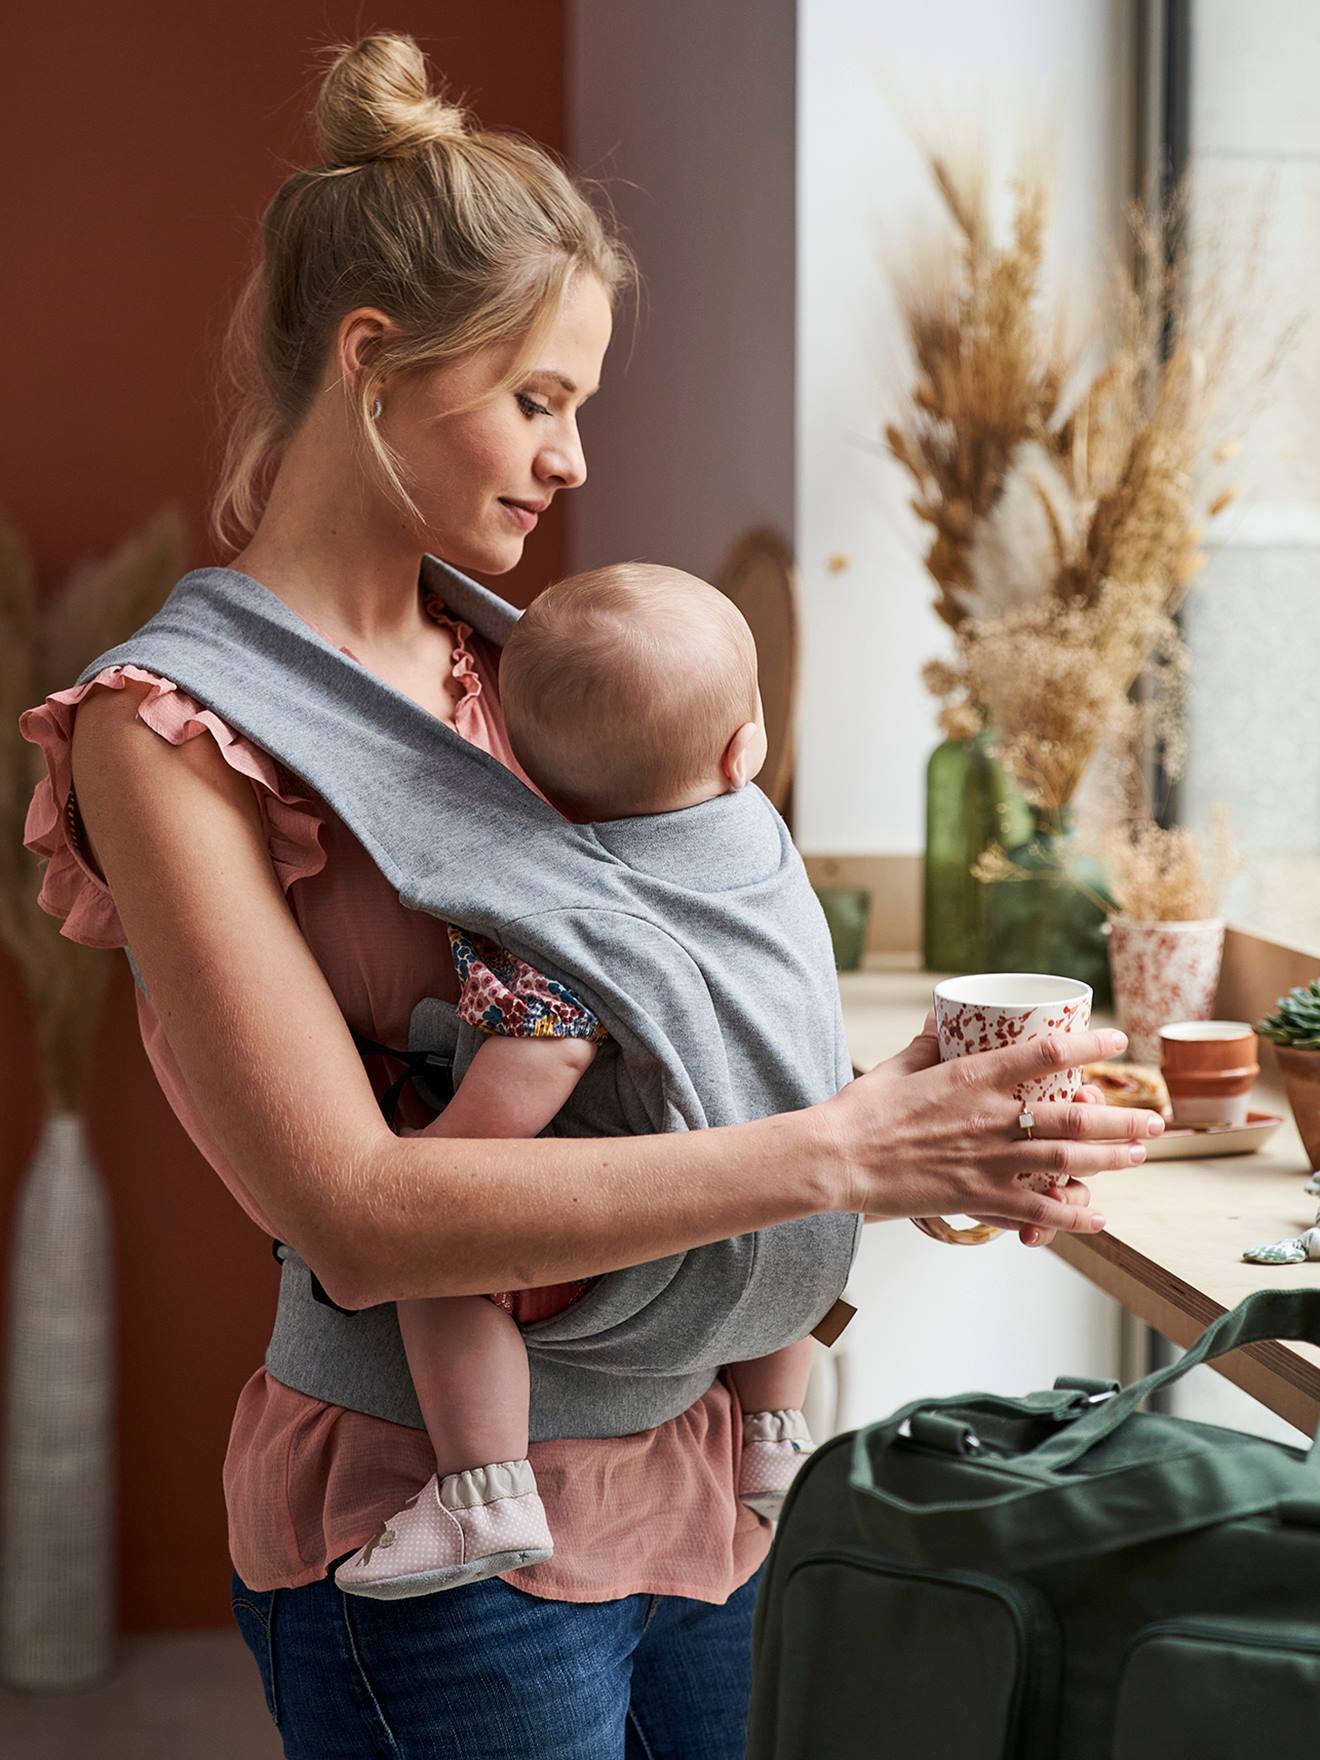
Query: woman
point(433, 310)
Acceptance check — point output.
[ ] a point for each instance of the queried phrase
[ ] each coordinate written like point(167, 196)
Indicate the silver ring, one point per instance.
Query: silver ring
point(1027, 1120)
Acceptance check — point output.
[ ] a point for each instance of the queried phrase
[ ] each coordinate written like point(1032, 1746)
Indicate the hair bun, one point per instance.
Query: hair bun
point(376, 102)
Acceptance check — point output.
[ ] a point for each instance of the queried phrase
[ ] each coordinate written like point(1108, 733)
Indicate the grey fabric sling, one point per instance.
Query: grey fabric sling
point(694, 937)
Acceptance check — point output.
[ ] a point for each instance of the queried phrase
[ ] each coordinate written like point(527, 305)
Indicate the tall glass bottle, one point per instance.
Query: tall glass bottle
point(970, 804)
point(1052, 918)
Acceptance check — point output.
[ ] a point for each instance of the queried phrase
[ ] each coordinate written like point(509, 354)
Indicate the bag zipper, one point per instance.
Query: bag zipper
point(1209, 1631)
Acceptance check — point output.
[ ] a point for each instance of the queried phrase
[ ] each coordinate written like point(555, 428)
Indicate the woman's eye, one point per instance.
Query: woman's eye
point(530, 407)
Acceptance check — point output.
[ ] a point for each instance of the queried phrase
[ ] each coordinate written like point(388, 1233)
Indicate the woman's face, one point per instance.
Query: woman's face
point(482, 476)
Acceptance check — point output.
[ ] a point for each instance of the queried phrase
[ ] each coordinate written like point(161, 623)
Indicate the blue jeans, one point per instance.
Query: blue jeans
point(488, 1672)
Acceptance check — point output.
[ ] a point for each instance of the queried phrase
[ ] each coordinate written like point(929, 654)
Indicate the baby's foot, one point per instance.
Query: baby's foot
point(459, 1529)
point(775, 1444)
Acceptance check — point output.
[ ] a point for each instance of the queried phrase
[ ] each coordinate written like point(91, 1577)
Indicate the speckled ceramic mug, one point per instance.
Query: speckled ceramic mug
point(990, 1010)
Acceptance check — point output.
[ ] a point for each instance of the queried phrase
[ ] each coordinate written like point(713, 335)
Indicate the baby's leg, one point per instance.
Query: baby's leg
point(775, 1383)
point(469, 1366)
point(479, 1514)
point(775, 1437)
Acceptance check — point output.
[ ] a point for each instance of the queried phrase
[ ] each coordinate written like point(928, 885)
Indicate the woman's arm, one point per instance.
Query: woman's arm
point(266, 1055)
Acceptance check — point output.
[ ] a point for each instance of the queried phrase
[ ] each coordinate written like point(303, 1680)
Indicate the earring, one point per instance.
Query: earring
point(375, 411)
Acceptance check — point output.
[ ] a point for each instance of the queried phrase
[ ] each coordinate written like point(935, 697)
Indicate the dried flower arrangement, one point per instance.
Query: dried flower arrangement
point(1160, 874)
point(47, 639)
point(1064, 528)
point(1062, 506)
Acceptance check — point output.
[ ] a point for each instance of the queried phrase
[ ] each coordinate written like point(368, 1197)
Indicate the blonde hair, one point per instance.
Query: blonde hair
point(622, 687)
point(464, 236)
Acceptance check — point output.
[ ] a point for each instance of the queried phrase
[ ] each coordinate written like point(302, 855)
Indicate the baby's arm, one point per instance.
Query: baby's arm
point(538, 1039)
point(513, 1088)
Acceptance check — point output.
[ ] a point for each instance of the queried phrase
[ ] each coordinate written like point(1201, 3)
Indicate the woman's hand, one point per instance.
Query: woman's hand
point(921, 1138)
point(1076, 1191)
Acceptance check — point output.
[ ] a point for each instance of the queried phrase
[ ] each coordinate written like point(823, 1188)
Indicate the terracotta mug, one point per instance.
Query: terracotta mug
point(1210, 1068)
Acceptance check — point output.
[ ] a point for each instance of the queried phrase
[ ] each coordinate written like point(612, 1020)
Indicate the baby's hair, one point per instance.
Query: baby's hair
point(622, 687)
point(463, 236)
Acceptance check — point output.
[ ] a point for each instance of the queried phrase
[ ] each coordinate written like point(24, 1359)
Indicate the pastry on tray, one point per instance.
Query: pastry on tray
point(1130, 1084)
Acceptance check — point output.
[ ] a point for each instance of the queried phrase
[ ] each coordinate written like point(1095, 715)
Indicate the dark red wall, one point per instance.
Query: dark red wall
point(142, 142)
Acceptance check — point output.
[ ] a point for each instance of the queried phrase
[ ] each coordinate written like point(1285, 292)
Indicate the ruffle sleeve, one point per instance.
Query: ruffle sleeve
point(71, 888)
point(503, 995)
point(463, 668)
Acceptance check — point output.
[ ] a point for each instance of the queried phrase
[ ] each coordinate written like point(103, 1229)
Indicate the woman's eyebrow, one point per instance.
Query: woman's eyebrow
point(561, 379)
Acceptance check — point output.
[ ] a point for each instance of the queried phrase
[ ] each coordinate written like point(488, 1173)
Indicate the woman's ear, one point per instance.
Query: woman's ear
point(744, 755)
point(360, 334)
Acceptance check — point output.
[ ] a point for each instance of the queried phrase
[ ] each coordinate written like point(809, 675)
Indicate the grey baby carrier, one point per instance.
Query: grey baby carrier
point(694, 937)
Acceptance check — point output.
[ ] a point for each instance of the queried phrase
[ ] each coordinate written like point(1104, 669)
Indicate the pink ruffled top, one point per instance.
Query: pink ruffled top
point(306, 1482)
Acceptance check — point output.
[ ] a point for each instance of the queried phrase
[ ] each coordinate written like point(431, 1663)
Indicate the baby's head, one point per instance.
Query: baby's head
point(630, 690)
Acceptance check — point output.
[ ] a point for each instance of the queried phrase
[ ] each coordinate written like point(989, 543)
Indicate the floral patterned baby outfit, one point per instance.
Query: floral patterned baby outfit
point(503, 995)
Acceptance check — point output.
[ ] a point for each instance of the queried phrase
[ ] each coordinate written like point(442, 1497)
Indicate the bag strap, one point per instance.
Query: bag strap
point(1292, 1314)
point(1024, 1510)
point(950, 1422)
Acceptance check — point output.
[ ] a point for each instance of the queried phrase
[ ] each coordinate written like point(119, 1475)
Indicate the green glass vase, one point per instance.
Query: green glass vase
point(970, 804)
point(1052, 916)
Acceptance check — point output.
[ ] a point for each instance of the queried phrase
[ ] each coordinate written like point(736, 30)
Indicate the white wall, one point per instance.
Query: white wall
point(685, 110)
point(1253, 620)
point(869, 70)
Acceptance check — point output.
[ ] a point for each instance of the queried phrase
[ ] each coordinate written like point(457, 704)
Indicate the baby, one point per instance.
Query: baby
point(627, 691)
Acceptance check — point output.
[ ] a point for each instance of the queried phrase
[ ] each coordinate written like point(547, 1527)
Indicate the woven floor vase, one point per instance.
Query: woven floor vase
point(57, 1562)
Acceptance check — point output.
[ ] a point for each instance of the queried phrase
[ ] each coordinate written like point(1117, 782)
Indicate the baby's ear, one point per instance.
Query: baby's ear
point(744, 755)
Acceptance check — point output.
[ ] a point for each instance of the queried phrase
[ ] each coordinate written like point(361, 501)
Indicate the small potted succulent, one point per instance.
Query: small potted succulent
point(1295, 1029)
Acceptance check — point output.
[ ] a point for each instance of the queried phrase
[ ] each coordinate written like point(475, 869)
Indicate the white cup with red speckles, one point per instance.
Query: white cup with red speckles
point(989, 1010)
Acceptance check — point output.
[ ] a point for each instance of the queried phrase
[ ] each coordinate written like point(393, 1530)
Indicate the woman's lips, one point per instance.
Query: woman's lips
point(523, 517)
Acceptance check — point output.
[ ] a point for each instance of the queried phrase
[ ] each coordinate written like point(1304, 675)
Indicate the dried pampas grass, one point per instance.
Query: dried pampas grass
point(1063, 507)
point(47, 640)
point(985, 388)
point(1161, 875)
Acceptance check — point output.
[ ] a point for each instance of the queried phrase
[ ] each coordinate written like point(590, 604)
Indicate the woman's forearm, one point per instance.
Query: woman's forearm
point(423, 1223)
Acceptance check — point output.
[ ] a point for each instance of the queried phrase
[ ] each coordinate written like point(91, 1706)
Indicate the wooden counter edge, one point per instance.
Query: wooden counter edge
point(1280, 1378)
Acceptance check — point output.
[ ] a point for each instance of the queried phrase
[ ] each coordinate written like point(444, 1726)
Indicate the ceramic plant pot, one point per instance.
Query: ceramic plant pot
point(1301, 1079)
point(847, 911)
point(1162, 972)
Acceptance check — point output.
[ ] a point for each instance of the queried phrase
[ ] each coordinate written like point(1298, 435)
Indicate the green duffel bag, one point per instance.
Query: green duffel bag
point(983, 1578)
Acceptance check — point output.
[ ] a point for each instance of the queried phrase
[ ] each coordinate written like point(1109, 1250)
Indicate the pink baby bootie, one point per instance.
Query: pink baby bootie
point(459, 1529)
point(775, 1444)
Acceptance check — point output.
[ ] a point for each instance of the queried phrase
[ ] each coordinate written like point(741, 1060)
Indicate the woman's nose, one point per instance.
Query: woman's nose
point(563, 464)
